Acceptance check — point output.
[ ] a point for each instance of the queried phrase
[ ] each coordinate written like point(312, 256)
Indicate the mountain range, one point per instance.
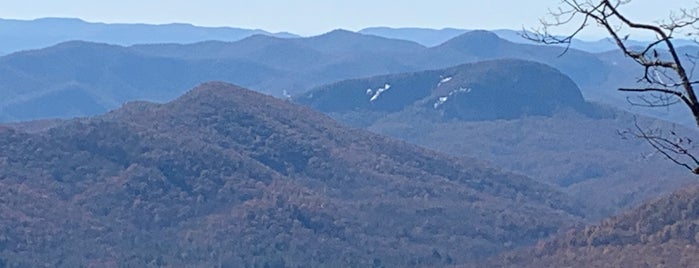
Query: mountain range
point(43, 32)
point(98, 77)
point(226, 176)
point(278, 66)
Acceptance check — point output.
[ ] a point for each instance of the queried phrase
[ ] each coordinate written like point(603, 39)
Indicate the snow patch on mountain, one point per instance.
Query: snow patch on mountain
point(379, 91)
point(444, 80)
point(441, 100)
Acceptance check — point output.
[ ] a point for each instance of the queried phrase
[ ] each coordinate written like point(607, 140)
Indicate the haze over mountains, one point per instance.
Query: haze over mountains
point(290, 65)
point(41, 78)
point(39, 33)
point(44, 32)
point(434, 37)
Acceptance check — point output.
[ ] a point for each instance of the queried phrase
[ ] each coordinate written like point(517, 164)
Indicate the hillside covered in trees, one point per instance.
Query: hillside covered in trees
point(226, 176)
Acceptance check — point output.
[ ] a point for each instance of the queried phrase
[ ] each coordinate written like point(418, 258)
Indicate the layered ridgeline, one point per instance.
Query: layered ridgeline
point(226, 176)
point(659, 233)
point(43, 32)
point(433, 37)
point(111, 75)
point(523, 116)
point(473, 46)
point(33, 34)
point(81, 78)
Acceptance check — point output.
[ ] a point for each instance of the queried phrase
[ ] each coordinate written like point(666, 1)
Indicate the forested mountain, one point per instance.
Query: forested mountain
point(226, 176)
point(523, 116)
point(489, 90)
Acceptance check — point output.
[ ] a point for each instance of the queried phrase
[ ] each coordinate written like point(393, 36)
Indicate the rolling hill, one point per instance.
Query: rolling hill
point(226, 176)
point(522, 116)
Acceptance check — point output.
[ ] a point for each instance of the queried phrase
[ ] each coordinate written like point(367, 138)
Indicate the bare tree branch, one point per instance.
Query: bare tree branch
point(671, 146)
point(665, 80)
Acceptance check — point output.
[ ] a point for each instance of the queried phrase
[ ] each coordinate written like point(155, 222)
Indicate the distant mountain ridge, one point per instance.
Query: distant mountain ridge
point(479, 45)
point(80, 78)
point(433, 37)
point(284, 50)
point(43, 32)
point(280, 66)
point(225, 176)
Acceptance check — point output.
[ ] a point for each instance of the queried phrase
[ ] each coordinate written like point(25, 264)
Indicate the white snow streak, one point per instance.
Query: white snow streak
point(443, 99)
point(444, 80)
point(379, 91)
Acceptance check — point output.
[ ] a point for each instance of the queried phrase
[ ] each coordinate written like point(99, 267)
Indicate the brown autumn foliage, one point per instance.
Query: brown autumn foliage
point(227, 177)
point(659, 233)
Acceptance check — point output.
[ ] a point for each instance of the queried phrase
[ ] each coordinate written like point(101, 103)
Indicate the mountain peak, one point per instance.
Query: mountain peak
point(341, 40)
point(217, 91)
point(480, 34)
point(260, 40)
point(58, 20)
point(220, 99)
point(339, 32)
point(476, 40)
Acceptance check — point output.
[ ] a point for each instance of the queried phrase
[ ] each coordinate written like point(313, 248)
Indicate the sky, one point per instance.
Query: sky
point(312, 17)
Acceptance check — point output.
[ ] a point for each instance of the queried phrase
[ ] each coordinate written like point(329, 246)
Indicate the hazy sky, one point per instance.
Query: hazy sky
point(309, 17)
